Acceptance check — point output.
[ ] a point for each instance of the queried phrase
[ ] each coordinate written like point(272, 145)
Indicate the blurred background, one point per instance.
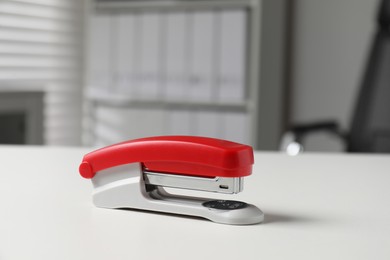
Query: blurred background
point(94, 72)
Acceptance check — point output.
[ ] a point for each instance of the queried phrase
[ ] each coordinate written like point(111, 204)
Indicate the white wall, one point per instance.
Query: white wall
point(331, 40)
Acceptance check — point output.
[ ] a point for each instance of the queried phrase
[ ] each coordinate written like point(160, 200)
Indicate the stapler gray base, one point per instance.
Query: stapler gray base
point(125, 187)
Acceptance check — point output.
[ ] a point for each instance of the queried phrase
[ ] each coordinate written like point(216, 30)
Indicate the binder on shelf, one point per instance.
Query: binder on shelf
point(236, 127)
point(145, 122)
point(179, 122)
point(148, 83)
point(100, 52)
point(107, 125)
point(124, 49)
point(231, 74)
point(115, 124)
point(176, 56)
point(208, 123)
point(201, 69)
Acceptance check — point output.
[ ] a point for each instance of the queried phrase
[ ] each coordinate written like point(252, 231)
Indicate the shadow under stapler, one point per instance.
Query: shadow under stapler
point(270, 217)
point(280, 217)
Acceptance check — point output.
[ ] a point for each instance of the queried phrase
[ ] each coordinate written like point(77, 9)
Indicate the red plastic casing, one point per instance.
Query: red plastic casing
point(185, 155)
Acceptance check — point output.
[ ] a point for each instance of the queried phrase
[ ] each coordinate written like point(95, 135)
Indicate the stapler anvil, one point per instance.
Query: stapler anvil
point(132, 175)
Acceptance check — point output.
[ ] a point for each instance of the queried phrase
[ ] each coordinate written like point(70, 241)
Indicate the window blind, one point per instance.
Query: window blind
point(41, 44)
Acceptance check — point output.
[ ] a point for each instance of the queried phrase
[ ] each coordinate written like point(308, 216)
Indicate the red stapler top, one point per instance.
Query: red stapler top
point(187, 155)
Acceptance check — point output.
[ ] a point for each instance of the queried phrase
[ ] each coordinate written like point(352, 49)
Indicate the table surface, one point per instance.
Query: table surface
point(317, 206)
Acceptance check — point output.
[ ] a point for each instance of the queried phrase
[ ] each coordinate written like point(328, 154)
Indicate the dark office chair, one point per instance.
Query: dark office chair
point(370, 128)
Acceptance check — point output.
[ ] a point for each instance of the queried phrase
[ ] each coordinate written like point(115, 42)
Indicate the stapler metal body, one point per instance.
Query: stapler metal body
point(133, 175)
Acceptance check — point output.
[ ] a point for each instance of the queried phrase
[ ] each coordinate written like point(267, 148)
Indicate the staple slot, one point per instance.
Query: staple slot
point(225, 187)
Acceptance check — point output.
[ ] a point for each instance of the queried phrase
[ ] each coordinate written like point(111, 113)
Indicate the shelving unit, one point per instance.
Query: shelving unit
point(139, 84)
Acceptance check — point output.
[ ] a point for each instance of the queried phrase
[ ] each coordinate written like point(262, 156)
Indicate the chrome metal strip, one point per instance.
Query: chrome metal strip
point(217, 184)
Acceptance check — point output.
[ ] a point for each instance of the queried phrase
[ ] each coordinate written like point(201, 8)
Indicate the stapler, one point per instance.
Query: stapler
point(133, 175)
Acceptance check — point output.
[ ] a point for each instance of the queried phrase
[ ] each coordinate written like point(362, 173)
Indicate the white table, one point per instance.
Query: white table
point(317, 206)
